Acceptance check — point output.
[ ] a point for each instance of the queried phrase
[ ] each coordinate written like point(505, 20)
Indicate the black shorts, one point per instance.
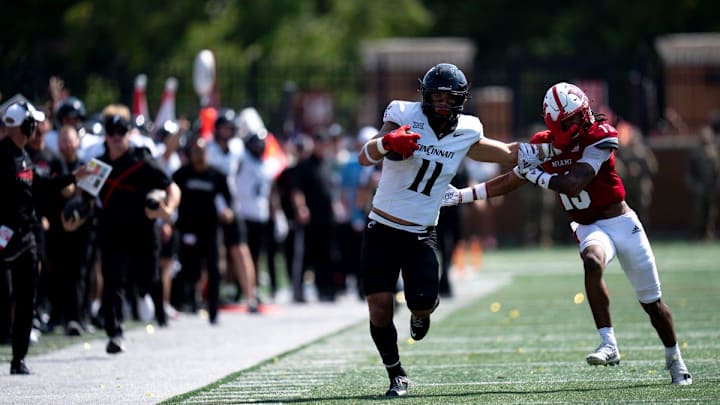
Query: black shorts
point(234, 233)
point(386, 251)
point(169, 248)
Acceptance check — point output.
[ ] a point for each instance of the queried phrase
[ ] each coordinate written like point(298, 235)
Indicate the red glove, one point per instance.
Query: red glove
point(401, 141)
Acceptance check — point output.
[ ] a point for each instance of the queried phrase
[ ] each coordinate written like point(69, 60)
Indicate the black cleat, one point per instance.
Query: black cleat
point(419, 327)
point(398, 386)
point(19, 368)
point(115, 346)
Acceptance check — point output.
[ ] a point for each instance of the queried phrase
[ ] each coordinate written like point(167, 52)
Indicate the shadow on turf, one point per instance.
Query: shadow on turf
point(478, 394)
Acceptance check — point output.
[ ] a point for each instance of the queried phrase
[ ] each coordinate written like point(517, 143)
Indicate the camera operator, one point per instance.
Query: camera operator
point(18, 248)
point(131, 201)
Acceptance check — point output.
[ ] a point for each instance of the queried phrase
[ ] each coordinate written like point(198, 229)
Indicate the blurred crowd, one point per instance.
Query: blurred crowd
point(301, 199)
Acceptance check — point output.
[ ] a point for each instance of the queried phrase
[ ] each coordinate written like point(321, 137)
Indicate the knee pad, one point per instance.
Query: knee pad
point(648, 295)
point(422, 302)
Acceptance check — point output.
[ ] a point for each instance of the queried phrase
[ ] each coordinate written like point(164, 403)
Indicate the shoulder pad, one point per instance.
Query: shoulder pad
point(607, 143)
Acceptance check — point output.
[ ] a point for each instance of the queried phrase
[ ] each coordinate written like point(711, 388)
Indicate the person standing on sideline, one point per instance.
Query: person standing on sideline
point(581, 169)
point(18, 248)
point(422, 146)
point(197, 225)
point(128, 239)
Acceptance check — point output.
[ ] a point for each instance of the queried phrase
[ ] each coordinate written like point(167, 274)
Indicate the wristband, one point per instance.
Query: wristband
point(476, 192)
point(369, 158)
point(380, 146)
point(539, 178)
point(544, 180)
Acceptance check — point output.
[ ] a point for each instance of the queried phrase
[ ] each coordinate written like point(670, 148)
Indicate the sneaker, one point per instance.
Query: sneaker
point(19, 368)
point(604, 355)
point(35, 336)
point(419, 327)
point(170, 311)
point(115, 346)
point(678, 371)
point(398, 386)
point(73, 328)
point(146, 308)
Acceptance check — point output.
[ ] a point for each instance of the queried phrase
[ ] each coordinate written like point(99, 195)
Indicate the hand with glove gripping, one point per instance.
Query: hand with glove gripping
point(538, 177)
point(454, 196)
point(532, 155)
point(400, 140)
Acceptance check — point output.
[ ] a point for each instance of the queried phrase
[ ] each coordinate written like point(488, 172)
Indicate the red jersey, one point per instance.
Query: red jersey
point(604, 190)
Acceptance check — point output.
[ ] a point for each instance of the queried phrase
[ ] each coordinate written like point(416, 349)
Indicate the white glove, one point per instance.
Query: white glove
point(538, 177)
point(451, 197)
point(528, 157)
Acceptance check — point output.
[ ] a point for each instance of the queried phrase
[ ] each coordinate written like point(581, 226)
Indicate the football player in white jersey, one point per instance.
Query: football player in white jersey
point(224, 154)
point(421, 145)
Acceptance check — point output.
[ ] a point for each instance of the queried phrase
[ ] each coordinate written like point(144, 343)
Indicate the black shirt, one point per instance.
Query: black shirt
point(122, 218)
point(18, 182)
point(197, 212)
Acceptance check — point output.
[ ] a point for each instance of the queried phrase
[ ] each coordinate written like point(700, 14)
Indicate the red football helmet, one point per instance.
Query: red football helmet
point(563, 101)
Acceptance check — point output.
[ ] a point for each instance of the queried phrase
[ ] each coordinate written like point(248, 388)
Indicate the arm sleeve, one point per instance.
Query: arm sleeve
point(595, 157)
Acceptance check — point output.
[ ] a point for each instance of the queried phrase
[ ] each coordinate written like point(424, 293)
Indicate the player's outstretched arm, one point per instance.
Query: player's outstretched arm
point(571, 183)
point(490, 150)
point(494, 187)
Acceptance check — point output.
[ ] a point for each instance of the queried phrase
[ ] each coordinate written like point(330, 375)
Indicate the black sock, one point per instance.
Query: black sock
point(385, 339)
point(395, 371)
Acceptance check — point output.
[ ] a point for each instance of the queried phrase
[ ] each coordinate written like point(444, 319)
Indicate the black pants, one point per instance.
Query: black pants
point(123, 266)
point(260, 238)
point(68, 262)
point(318, 246)
point(18, 280)
point(204, 251)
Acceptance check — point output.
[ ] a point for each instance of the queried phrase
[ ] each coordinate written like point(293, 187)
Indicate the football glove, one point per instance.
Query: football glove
point(532, 155)
point(451, 197)
point(401, 141)
point(538, 177)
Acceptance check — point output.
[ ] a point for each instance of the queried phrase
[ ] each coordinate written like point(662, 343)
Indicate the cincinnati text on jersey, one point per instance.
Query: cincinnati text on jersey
point(433, 151)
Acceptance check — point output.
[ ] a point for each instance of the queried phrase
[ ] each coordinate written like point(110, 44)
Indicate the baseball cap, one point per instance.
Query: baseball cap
point(16, 113)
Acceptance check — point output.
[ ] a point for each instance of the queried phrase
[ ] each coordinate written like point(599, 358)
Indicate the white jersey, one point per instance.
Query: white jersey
point(226, 163)
point(412, 189)
point(253, 184)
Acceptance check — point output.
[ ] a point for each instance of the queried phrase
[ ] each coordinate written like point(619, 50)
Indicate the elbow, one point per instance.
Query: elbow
point(573, 189)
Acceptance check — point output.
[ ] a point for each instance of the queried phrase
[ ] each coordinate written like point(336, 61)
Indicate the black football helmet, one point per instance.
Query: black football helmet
point(444, 78)
point(226, 116)
point(71, 108)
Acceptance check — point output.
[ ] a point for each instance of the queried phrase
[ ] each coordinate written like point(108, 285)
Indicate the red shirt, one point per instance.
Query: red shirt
point(604, 190)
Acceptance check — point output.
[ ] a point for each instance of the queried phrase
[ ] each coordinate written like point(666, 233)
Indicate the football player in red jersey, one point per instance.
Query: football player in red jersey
point(579, 164)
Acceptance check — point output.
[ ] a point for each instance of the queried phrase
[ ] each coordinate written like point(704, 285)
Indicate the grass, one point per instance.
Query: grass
point(523, 343)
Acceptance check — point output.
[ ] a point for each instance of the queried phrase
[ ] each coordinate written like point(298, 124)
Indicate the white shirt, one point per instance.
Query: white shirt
point(412, 189)
point(253, 184)
point(226, 162)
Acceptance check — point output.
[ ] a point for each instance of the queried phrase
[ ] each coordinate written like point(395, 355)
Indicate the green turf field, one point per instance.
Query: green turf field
point(524, 343)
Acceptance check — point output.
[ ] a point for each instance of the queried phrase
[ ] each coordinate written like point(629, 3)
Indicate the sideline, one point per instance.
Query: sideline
point(191, 354)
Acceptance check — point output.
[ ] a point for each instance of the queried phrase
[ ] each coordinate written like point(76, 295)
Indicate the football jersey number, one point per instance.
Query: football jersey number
point(421, 174)
point(579, 202)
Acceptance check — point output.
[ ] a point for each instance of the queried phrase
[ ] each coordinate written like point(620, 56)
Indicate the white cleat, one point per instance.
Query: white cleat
point(678, 371)
point(604, 355)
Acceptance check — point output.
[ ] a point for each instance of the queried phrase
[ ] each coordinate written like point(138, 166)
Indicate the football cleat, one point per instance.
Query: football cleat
point(678, 371)
point(419, 327)
point(604, 355)
point(19, 368)
point(115, 346)
point(398, 386)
